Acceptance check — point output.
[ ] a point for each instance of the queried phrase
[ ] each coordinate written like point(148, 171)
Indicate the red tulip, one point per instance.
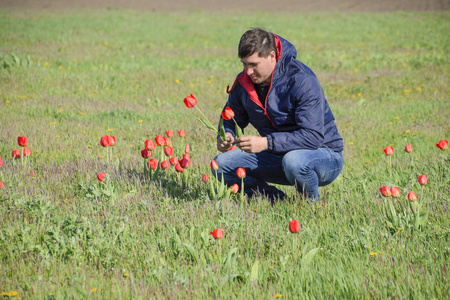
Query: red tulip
point(388, 150)
point(235, 188)
point(22, 140)
point(145, 153)
point(408, 148)
point(395, 192)
point(181, 133)
point(169, 133)
point(443, 145)
point(159, 140)
point(152, 163)
point(26, 152)
point(385, 191)
point(187, 157)
point(294, 226)
point(173, 160)
point(101, 176)
point(179, 168)
point(165, 165)
point(166, 141)
point(184, 163)
point(1, 162)
point(217, 233)
point(227, 113)
point(16, 154)
point(190, 101)
point(205, 178)
point(423, 180)
point(241, 173)
point(168, 151)
point(232, 148)
point(187, 148)
point(1, 185)
point(214, 165)
point(412, 196)
point(149, 144)
point(111, 140)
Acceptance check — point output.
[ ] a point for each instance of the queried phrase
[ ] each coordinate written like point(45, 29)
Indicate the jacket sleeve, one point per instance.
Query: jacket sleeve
point(240, 114)
point(309, 119)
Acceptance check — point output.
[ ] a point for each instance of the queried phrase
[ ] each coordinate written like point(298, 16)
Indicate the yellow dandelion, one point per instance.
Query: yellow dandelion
point(60, 67)
point(390, 123)
point(109, 129)
point(191, 84)
point(353, 96)
point(60, 111)
point(399, 228)
point(177, 81)
point(350, 143)
point(13, 293)
point(7, 101)
point(131, 146)
point(116, 156)
point(418, 89)
point(80, 88)
point(379, 252)
point(397, 118)
point(416, 159)
point(5, 294)
point(374, 161)
point(57, 136)
point(278, 296)
point(75, 60)
point(82, 131)
point(126, 275)
point(136, 87)
point(367, 162)
point(89, 146)
point(69, 68)
point(106, 88)
point(93, 290)
point(372, 253)
point(140, 121)
point(407, 131)
point(46, 64)
point(407, 53)
point(355, 71)
point(412, 118)
point(348, 124)
point(100, 156)
point(81, 113)
point(359, 95)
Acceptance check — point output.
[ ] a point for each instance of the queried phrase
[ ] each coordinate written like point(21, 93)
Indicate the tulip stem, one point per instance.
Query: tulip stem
point(242, 190)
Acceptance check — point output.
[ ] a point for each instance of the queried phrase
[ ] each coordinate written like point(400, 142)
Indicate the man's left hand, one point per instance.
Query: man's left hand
point(252, 143)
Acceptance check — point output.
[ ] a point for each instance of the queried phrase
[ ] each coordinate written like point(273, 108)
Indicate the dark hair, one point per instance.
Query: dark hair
point(257, 40)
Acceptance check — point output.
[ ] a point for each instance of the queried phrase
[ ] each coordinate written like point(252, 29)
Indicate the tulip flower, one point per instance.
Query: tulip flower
point(181, 133)
point(145, 153)
point(385, 191)
point(214, 165)
point(166, 141)
point(1, 162)
point(412, 196)
point(26, 152)
point(168, 151)
point(159, 140)
point(241, 173)
point(152, 163)
point(179, 168)
point(388, 150)
point(104, 141)
point(1, 185)
point(187, 148)
point(294, 226)
point(190, 101)
point(149, 144)
point(408, 148)
point(22, 141)
point(443, 145)
point(227, 113)
point(101, 176)
point(184, 163)
point(232, 148)
point(186, 156)
point(16, 154)
point(217, 233)
point(395, 192)
point(173, 160)
point(235, 188)
point(165, 165)
point(169, 133)
point(205, 178)
point(111, 140)
point(423, 180)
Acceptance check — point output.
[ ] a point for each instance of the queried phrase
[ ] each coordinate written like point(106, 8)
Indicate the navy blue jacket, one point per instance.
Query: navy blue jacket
point(296, 114)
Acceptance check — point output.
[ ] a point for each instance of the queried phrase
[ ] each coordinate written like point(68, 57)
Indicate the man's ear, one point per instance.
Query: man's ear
point(273, 56)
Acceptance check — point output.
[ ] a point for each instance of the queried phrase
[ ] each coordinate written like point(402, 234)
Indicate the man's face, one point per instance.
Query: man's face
point(259, 68)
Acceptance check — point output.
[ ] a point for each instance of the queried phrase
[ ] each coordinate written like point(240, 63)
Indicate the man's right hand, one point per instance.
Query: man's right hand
point(223, 146)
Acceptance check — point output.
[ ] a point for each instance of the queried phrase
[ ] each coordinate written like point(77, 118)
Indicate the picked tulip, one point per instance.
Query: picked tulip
point(168, 151)
point(385, 191)
point(22, 141)
point(294, 226)
point(395, 192)
point(423, 180)
point(159, 139)
point(227, 113)
point(101, 176)
point(235, 188)
point(408, 148)
point(26, 152)
point(187, 148)
point(149, 144)
point(205, 178)
point(152, 163)
point(388, 150)
point(165, 165)
point(181, 133)
point(145, 153)
point(179, 168)
point(443, 145)
point(190, 101)
point(16, 154)
point(214, 165)
point(173, 160)
point(232, 148)
point(241, 173)
point(412, 196)
point(169, 133)
point(217, 233)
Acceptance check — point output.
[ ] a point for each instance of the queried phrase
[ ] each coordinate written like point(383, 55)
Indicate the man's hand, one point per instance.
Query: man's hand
point(252, 143)
point(223, 146)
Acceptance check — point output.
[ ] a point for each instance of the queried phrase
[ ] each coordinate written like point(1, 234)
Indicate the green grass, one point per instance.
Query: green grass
point(69, 77)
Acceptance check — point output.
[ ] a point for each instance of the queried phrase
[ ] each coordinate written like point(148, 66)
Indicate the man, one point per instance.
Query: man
point(281, 97)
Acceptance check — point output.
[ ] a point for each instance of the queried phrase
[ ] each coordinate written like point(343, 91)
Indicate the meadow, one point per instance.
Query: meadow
point(69, 77)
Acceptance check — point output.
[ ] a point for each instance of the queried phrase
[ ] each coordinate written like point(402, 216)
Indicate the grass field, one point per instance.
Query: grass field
point(69, 77)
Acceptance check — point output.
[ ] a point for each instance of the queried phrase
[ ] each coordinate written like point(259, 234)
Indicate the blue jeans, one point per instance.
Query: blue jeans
point(304, 169)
